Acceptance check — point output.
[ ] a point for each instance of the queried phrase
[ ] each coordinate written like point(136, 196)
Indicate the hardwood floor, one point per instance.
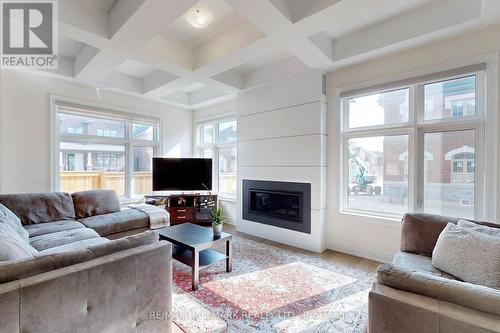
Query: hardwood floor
point(329, 255)
point(346, 259)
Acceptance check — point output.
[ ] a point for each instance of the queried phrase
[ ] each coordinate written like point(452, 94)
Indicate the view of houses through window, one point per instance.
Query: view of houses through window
point(442, 125)
point(217, 140)
point(105, 152)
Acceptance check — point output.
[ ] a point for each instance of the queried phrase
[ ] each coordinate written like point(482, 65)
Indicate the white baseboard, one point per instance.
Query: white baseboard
point(363, 252)
point(230, 220)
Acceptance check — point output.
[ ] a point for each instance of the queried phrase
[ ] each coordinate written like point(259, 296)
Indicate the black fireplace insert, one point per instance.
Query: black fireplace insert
point(280, 204)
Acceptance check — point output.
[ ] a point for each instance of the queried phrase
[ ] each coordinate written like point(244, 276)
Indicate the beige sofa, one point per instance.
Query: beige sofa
point(413, 296)
point(58, 274)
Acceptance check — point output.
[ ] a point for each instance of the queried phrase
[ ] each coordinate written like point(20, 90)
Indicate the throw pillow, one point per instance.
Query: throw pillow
point(470, 256)
point(479, 228)
point(11, 247)
point(7, 216)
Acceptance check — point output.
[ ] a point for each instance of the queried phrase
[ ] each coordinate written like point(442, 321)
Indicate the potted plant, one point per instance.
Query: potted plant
point(217, 219)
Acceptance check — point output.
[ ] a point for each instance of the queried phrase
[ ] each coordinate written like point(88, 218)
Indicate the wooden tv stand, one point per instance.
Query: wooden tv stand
point(193, 208)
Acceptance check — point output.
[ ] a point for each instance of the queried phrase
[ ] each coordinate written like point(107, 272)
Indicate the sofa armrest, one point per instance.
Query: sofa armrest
point(125, 291)
point(18, 269)
point(461, 293)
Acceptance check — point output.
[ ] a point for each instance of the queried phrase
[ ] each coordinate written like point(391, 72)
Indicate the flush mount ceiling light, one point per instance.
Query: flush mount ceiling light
point(199, 18)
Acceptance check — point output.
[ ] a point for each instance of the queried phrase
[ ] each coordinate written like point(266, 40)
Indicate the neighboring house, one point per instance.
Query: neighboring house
point(98, 157)
point(449, 156)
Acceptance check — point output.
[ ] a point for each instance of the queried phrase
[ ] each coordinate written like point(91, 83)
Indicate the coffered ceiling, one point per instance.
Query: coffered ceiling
point(147, 48)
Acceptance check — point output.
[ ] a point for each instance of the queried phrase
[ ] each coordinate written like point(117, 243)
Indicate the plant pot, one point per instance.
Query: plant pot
point(217, 229)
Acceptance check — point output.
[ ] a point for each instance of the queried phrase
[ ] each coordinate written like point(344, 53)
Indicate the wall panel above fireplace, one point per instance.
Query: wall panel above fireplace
point(283, 138)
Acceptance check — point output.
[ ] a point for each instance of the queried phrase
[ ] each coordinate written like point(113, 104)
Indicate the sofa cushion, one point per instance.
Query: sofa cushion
point(419, 232)
point(46, 241)
point(95, 202)
point(39, 207)
point(50, 227)
point(23, 268)
point(74, 246)
point(471, 256)
point(125, 243)
point(479, 228)
point(125, 220)
point(418, 263)
point(7, 216)
point(465, 294)
point(12, 247)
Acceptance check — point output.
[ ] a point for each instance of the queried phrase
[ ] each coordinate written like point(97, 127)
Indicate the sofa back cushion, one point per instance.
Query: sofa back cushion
point(12, 247)
point(95, 202)
point(39, 207)
point(471, 256)
point(420, 232)
point(8, 217)
point(479, 228)
point(19, 269)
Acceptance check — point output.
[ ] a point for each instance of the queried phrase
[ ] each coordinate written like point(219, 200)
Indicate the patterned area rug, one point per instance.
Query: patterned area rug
point(272, 290)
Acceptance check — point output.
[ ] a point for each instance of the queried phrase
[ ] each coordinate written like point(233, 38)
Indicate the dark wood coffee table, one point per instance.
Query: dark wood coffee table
point(192, 247)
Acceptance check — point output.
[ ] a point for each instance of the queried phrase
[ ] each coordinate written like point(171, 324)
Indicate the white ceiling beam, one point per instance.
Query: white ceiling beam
point(269, 19)
point(124, 82)
point(404, 27)
point(133, 34)
point(79, 34)
point(318, 33)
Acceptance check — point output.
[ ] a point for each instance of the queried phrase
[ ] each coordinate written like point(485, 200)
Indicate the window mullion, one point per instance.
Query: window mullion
point(129, 169)
point(419, 170)
point(417, 158)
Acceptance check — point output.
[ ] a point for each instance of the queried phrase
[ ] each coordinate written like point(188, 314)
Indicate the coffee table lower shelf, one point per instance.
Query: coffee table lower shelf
point(207, 257)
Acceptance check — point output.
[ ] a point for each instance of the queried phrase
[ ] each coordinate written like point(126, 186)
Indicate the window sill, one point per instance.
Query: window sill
point(227, 198)
point(384, 219)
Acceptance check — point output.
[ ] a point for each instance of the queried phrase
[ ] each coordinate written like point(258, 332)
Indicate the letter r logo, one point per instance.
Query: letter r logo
point(27, 28)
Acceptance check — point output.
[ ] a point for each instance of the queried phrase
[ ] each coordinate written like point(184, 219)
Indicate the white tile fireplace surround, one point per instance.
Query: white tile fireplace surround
point(282, 137)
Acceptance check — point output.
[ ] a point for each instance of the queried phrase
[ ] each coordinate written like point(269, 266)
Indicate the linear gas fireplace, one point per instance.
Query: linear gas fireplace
point(280, 204)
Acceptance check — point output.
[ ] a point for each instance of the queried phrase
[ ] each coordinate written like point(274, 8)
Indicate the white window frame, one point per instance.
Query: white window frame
point(416, 128)
point(72, 106)
point(214, 146)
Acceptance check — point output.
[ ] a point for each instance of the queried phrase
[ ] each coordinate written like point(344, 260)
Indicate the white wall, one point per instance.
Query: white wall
point(25, 125)
point(380, 238)
point(282, 137)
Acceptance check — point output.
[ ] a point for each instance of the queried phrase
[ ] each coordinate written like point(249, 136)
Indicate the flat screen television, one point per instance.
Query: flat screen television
point(182, 174)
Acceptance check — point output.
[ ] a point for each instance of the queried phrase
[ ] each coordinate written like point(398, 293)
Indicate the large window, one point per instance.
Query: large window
point(414, 147)
point(217, 140)
point(104, 150)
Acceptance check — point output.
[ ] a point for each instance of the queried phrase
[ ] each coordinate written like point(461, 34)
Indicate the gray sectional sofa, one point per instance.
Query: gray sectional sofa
point(411, 295)
point(80, 263)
